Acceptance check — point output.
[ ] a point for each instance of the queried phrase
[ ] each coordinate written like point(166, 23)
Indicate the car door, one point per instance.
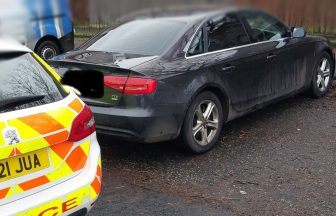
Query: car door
point(240, 65)
point(282, 62)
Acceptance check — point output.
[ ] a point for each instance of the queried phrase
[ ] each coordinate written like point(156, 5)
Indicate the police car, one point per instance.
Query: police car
point(45, 26)
point(50, 161)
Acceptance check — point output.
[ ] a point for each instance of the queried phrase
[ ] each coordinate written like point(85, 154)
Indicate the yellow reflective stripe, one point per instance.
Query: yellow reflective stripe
point(2, 140)
point(11, 192)
point(64, 116)
point(18, 189)
point(61, 168)
point(56, 76)
point(25, 131)
point(93, 194)
point(80, 195)
point(54, 206)
point(5, 151)
point(33, 145)
point(75, 199)
point(100, 162)
point(33, 140)
point(86, 147)
point(53, 73)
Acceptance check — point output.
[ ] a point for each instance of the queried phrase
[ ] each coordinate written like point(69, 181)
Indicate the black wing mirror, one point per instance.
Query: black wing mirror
point(298, 32)
point(89, 83)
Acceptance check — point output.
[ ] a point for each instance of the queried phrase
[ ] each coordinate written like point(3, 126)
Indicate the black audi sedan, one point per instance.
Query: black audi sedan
point(184, 77)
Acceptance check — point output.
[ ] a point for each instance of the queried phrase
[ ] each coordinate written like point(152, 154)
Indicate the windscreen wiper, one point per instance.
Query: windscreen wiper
point(18, 101)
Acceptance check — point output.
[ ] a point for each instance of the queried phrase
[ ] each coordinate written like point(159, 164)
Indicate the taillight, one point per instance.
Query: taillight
point(83, 125)
point(131, 85)
point(116, 82)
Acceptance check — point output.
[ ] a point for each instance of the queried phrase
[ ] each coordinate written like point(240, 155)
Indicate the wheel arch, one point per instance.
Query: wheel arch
point(219, 92)
point(331, 53)
point(323, 47)
point(48, 38)
point(222, 96)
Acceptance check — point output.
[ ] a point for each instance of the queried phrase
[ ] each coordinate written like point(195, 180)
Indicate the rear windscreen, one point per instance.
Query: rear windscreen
point(142, 37)
point(22, 76)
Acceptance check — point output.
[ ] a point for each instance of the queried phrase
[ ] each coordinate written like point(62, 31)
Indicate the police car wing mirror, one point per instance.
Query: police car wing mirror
point(86, 83)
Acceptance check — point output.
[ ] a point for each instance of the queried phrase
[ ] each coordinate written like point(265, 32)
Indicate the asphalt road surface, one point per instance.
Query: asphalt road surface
point(277, 161)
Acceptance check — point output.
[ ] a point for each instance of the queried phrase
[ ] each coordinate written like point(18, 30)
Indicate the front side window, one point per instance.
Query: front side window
point(25, 83)
point(225, 32)
point(264, 27)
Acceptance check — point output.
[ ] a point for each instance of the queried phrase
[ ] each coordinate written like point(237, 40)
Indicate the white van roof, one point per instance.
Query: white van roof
point(8, 46)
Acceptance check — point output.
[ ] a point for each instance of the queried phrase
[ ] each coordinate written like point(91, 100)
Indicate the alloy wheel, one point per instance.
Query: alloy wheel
point(323, 75)
point(205, 122)
point(48, 52)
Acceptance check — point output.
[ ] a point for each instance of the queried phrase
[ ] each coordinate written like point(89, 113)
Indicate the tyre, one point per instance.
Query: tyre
point(203, 123)
point(322, 76)
point(48, 49)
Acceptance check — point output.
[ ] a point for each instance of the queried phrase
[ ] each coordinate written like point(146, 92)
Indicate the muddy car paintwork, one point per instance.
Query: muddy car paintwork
point(257, 80)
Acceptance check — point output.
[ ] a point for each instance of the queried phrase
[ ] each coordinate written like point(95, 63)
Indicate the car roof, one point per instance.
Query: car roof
point(10, 46)
point(202, 15)
point(188, 16)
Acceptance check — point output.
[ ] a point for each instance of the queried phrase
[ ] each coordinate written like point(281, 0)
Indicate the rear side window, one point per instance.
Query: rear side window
point(197, 46)
point(225, 32)
point(21, 76)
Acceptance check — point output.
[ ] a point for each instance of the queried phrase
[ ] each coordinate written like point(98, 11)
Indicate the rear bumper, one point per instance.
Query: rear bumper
point(140, 125)
point(73, 197)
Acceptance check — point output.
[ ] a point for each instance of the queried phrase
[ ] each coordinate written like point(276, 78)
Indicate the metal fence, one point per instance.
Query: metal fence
point(86, 30)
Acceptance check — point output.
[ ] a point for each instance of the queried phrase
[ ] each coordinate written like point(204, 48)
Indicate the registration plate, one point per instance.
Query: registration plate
point(23, 165)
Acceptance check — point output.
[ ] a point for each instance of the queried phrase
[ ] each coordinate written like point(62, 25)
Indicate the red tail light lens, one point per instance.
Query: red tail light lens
point(83, 125)
point(116, 82)
point(131, 85)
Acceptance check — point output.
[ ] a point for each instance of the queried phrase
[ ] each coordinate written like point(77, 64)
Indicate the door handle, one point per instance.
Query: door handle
point(271, 56)
point(228, 68)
